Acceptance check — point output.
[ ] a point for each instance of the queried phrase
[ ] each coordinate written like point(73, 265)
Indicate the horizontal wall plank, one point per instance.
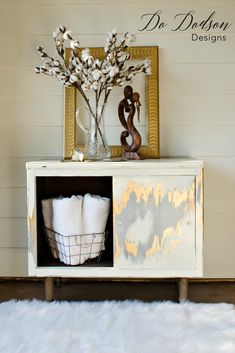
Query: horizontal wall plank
point(173, 48)
point(197, 110)
point(13, 262)
point(197, 79)
point(31, 141)
point(31, 111)
point(13, 202)
point(83, 17)
point(212, 268)
point(220, 173)
point(219, 188)
point(24, 82)
point(13, 171)
point(220, 263)
point(219, 208)
point(219, 234)
point(194, 141)
point(13, 233)
point(220, 205)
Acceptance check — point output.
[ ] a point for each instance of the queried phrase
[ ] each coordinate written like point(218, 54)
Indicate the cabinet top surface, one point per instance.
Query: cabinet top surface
point(146, 164)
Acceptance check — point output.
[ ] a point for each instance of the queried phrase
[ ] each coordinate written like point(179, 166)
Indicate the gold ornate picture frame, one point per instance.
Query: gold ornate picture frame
point(152, 147)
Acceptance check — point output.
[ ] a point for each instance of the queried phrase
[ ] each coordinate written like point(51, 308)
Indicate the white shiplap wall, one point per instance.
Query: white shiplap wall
point(197, 107)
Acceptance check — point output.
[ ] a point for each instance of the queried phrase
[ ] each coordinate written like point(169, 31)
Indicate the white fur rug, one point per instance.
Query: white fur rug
point(116, 327)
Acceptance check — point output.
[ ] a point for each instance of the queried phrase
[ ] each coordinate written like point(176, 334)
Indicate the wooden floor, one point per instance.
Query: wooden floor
point(74, 289)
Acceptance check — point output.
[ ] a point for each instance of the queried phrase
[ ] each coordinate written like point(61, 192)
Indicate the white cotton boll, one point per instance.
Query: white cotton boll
point(56, 33)
point(147, 63)
point(148, 70)
point(122, 39)
point(97, 63)
point(61, 28)
point(56, 63)
point(130, 37)
point(96, 74)
point(74, 44)
point(67, 35)
point(109, 56)
point(85, 54)
point(113, 71)
point(90, 60)
point(110, 36)
point(94, 85)
point(74, 61)
point(73, 78)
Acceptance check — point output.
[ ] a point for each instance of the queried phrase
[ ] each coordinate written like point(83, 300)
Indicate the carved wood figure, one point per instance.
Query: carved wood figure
point(129, 105)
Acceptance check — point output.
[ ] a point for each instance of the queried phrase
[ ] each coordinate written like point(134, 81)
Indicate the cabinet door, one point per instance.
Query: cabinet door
point(154, 222)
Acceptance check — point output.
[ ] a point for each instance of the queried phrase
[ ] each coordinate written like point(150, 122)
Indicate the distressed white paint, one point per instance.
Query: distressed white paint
point(180, 175)
point(196, 105)
point(163, 236)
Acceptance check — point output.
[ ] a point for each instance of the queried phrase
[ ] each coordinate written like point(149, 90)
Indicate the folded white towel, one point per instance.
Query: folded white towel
point(94, 217)
point(67, 220)
point(71, 250)
point(47, 212)
point(67, 215)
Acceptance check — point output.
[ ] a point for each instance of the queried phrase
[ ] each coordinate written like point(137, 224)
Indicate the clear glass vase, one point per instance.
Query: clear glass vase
point(96, 146)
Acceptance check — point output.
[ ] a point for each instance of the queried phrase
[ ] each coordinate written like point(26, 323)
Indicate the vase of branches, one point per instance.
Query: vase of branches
point(87, 73)
point(92, 122)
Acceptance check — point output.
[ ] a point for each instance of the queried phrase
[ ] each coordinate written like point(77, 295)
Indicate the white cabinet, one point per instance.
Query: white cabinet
point(155, 224)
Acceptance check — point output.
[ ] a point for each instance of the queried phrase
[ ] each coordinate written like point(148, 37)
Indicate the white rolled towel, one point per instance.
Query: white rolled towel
point(47, 213)
point(67, 221)
point(94, 218)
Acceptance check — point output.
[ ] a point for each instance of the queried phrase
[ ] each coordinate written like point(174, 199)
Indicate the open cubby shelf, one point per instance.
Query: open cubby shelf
point(66, 186)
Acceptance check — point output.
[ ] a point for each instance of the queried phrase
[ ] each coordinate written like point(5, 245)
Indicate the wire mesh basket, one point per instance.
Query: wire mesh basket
point(76, 249)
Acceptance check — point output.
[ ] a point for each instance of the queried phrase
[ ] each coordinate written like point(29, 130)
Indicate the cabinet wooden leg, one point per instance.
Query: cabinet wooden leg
point(183, 289)
point(49, 288)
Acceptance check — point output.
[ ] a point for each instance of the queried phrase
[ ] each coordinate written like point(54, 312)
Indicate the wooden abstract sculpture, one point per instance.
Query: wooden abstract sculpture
point(129, 105)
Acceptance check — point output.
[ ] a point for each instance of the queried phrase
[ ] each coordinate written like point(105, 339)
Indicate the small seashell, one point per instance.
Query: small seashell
point(78, 155)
